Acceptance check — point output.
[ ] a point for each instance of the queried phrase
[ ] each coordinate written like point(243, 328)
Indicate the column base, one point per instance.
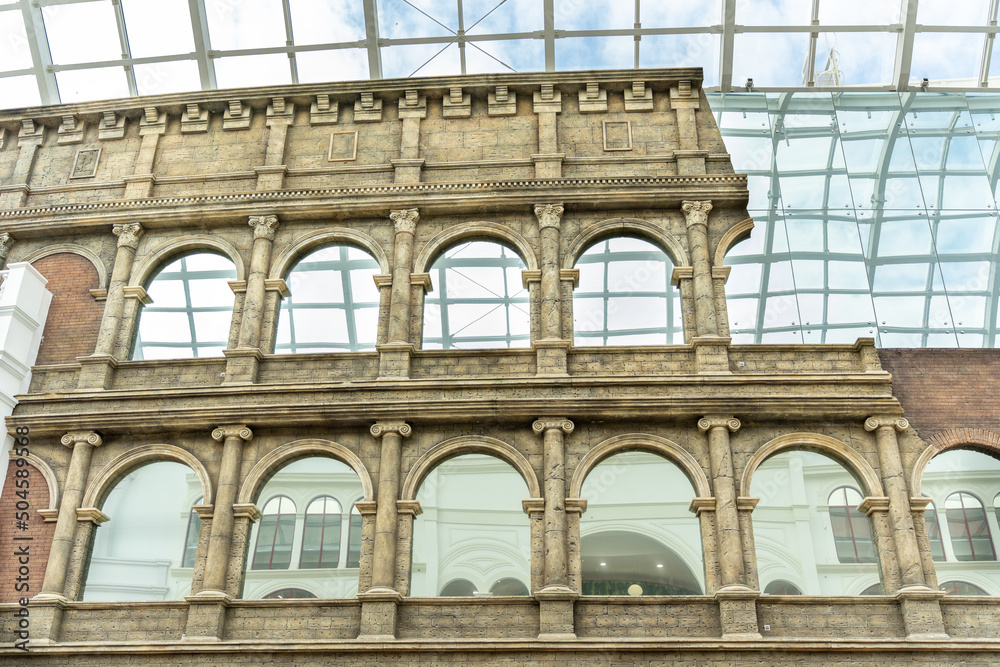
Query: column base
point(551, 357)
point(555, 613)
point(242, 365)
point(922, 612)
point(738, 612)
point(394, 361)
point(378, 614)
point(711, 355)
point(46, 615)
point(96, 371)
point(206, 620)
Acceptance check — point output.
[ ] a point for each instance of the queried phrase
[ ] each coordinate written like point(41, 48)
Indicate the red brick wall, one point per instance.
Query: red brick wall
point(946, 389)
point(39, 532)
point(74, 317)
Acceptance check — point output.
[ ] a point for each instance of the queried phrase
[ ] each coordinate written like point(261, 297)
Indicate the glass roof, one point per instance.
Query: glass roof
point(55, 51)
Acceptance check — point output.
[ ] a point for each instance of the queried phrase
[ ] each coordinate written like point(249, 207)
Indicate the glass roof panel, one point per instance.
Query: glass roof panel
point(488, 17)
point(680, 13)
point(421, 60)
point(773, 12)
point(699, 50)
point(19, 91)
point(165, 31)
point(770, 59)
point(599, 15)
point(66, 24)
point(326, 21)
point(595, 53)
point(82, 85)
point(949, 12)
point(519, 55)
point(240, 71)
point(964, 52)
point(338, 65)
point(246, 24)
point(14, 53)
point(400, 19)
point(167, 77)
point(858, 58)
point(858, 12)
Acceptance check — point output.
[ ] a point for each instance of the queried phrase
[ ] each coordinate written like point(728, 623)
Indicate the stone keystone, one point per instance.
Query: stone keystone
point(264, 226)
point(542, 425)
point(128, 234)
point(696, 212)
point(706, 423)
point(74, 437)
point(549, 215)
point(241, 431)
point(405, 219)
point(898, 423)
point(402, 428)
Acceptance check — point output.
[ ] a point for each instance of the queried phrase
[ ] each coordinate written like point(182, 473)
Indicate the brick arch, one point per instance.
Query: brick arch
point(980, 439)
point(74, 318)
point(469, 444)
point(633, 227)
point(475, 231)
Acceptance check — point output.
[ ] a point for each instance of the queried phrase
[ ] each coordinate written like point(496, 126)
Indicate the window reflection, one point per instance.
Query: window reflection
point(466, 540)
point(638, 535)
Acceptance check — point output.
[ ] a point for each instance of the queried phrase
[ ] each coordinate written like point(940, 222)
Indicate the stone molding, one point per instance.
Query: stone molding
point(128, 234)
point(872, 504)
point(549, 215)
point(264, 226)
point(408, 507)
point(246, 511)
point(702, 504)
point(241, 431)
point(576, 505)
point(746, 503)
point(92, 514)
point(707, 423)
point(405, 220)
point(533, 505)
point(75, 437)
point(542, 425)
point(898, 423)
point(696, 212)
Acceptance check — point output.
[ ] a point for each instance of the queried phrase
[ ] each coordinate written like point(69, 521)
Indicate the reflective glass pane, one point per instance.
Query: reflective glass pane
point(65, 23)
point(243, 71)
point(84, 85)
point(246, 24)
point(158, 30)
point(327, 21)
point(14, 51)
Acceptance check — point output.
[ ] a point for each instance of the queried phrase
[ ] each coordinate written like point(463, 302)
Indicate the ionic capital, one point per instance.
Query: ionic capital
point(707, 423)
point(379, 429)
point(405, 219)
point(542, 425)
point(241, 431)
point(128, 234)
point(696, 212)
point(898, 423)
point(74, 438)
point(549, 215)
point(6, 241)
point(264, 226)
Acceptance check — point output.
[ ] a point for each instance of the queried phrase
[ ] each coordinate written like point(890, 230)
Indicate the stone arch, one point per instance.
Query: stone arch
point(642, 229)
point(277, 458)
point(284, 261)
point(47, 474)
point(957, 438)
point(475, 231)
point(738, 232)
point(469, 444)
point(160, 255)
point(74, 249)
point(653, 444)
point(821, 444)
point(120, 466)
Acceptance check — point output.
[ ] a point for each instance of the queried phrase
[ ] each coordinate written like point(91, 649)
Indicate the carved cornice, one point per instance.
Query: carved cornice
point(128, 234)
point(702, 504)
point(264, 226)
point(246, 511)
point(549, 215)
point(898, 423)
point(706, 423)
point(379, 429)
point(696, 212)
point(241, 431)
point(405, 220)
point(77, 437)
point(873, 504)
point(542, 425)
point(92, 514)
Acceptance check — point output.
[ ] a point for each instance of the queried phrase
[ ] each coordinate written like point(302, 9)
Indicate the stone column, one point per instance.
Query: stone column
point(745, 505)
point(99, 368)
point(555, 597)
point(704, 509)
point(394, 355)
point(711, 350)
point(244, 516)
point(379, 603)
point(876, 508)
point(921, 611)
point(243, 363)
point(551, 347)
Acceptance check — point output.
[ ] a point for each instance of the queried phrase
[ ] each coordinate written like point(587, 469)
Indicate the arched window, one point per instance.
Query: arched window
point(509, 586)
point(332, 305)
point(874, 589)
point(193, 532)
point(135, 554)
point(321, 534)
point(625, 296)
point(289, 594)
point(478, 299)
point(638, 536)
point(191, 309)
point(274, 539)
point(781, 587)
point(458, 588)
point(852, 534)
point(961, 588)
point(354, 537)
point(934, 532)
point(970, 532)
point(466, 533)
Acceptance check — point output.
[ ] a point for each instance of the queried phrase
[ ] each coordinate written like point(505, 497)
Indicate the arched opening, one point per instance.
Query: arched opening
point(332, 305)
point(471, 527)
point(289, 594)
point(808, 522)
point(478, 300)
point(74, 317)
point(305, 521)
point(137, 554)
point(960, 482)
point(190, 311)
point(781, 587)
point(961, 588)
point(509, 586)
point(638, 535)
point(625, 296)
point(459, 588)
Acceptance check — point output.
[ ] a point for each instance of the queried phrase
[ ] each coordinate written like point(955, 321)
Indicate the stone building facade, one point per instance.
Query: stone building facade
point(100, 197)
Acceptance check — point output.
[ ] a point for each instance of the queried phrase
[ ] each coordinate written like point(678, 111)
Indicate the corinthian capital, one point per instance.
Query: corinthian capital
point(549, 215)
point(405, 219)
point(898, 423)
point(241, 431)
point(128, 234)
point(696, 212)
point(264, 226)
point(542, 425)
point(6, 241)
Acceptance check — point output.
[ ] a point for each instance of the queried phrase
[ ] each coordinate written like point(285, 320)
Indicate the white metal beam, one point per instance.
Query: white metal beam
point(202, 44)
point(728, 38)
point(904, 45)
point(372, 39)
point(984, 66)
point(550, 36)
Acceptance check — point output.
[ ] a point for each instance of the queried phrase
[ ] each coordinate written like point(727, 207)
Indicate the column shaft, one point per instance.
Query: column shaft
point(696, 214)
point(223, 520)
point(253, 303)
point(386, 509)
point(556, 571)
point(726, 513)
point(551, 285)
point(128, 240)
point(399, 304)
